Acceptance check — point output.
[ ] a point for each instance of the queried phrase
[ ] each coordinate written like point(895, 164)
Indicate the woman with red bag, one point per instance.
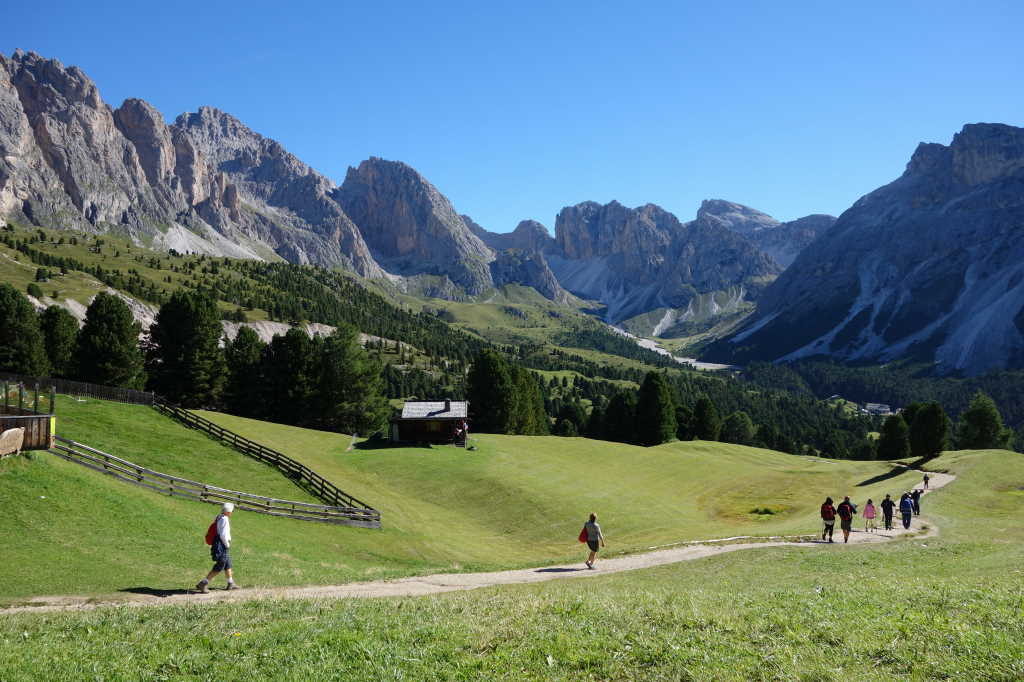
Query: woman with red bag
point(594, 538)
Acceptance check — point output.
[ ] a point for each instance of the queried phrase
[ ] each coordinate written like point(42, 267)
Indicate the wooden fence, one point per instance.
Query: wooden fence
point(193, 490)
point(306, 478)
point(81, 388)
point(38, 427)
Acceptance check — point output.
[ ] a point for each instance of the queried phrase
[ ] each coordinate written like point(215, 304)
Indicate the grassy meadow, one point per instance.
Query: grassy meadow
point(946, 607)
point(514, 501)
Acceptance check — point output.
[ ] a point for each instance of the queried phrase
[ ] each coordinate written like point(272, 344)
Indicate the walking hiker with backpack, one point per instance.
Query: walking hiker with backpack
point(846, 510)
point(828, 516)
point(592, 535)
point(906, 509)
point(887, 508)
point(926, 479)
point(218, 536)
point(915, 498)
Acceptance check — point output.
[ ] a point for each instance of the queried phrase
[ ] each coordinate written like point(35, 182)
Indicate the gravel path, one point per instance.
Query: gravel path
point(451, 582)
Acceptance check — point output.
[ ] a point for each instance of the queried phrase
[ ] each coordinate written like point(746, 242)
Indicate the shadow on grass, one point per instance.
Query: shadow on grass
point(557, 570)
point(896, 471)
point(153, 592)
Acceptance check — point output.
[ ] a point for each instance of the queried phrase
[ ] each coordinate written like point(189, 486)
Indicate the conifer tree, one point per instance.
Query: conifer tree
point(490, 388)
point(737, 428)
point(529, 417)
point(894, 440)
point(289, 366)
point(186, 362)
point(684, 422)
point(981, 426)
point(655, 411)
point(108, 345)
point(620, 418)
point(707, 425)
point(22, 350)
point(350, 392)
point(929, 431)
point(244, 391)
point(60, 334)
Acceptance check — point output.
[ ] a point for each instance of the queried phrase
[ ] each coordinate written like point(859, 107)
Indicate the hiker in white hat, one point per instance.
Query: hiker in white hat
point(218, 536)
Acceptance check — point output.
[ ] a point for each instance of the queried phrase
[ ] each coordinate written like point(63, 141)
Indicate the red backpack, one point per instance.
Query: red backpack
point(211, 532)
point(583, 535)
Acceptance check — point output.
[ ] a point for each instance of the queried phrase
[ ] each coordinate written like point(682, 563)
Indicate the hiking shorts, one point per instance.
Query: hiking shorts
point(846, 524)
point(221, 558)
point(829, 523)
point(593, 545)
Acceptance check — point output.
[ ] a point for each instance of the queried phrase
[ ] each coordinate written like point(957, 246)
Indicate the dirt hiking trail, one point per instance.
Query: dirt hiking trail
point(451, 582)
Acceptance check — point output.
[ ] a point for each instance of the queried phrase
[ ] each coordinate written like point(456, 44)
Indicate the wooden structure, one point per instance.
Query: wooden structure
point(29, 410)
point(439, 421)
point(83, 389)
point(166, 484)
point(304, 477)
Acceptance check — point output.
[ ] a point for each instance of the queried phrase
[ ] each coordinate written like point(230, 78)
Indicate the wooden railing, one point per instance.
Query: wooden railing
point(81, 388)
point(166, 484)
point(306, 478)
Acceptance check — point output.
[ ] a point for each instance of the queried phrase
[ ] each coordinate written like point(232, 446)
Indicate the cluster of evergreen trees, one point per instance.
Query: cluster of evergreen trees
point(923, 430)
point(323, 382)
point(505, 397)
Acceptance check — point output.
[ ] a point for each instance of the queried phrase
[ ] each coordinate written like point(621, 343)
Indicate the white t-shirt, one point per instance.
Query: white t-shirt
point(224, 530)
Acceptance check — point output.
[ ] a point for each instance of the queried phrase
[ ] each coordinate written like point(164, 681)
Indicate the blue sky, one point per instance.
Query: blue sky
point(515, 111)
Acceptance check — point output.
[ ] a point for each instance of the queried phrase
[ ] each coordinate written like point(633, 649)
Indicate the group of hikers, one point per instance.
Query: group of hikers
point(908, 506)
point(218, 536)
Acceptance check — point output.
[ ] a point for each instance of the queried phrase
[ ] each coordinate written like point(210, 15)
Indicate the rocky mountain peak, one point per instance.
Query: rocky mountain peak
point(736, 217)
point(411, 227)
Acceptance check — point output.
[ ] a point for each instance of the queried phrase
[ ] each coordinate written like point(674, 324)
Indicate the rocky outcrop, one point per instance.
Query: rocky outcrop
point(930, 266)
point(782, 242)
point(642, 259)
point(529, 236)
point(529, 268)
point(410, 227)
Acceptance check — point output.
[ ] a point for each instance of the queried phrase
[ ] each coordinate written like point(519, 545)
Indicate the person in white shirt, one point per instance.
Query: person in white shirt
point(219, 551)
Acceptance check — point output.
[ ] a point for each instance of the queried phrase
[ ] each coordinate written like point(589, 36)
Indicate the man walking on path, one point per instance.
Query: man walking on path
point(594, 537)
point(887, 507)
point(828, 516)
point(906, 510)
point(846, 511)
point(915, 497)
point(219, 550)
point(926, 479)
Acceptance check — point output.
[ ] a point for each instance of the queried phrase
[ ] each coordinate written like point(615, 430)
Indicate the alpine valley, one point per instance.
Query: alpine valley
point(929, 267)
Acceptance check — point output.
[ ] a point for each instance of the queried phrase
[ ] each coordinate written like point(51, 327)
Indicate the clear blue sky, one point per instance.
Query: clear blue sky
point(515, 111)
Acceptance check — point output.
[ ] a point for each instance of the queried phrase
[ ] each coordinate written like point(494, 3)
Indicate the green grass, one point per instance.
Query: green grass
point(938, 608)
point(515, 501)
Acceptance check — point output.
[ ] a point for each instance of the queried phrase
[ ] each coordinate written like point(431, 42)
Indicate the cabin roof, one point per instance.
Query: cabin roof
point(435, 409)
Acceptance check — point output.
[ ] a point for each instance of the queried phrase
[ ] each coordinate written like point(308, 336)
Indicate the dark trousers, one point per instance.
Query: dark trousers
point(906, 519)
point(888, 521)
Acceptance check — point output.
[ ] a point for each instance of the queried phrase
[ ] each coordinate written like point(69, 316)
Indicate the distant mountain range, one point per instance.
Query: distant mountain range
point(926, 267)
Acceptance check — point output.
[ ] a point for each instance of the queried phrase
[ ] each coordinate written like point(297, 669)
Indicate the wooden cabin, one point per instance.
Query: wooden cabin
point(438, 421)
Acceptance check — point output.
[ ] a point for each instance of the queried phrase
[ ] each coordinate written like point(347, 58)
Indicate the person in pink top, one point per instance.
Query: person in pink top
point(869, 517)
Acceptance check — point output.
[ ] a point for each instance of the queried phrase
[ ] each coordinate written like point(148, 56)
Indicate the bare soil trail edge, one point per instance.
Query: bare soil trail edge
point(452, 582)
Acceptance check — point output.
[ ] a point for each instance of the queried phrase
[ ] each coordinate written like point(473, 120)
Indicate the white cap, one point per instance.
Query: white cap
point(227, 507)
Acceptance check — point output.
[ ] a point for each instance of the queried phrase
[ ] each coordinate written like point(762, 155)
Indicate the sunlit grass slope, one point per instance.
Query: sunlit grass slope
point(515, 501)
point(945, 607)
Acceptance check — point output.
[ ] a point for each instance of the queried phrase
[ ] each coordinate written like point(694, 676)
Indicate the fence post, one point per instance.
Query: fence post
point(35, 405)
point(21, 396)
point(6, 397)
point(53, 400)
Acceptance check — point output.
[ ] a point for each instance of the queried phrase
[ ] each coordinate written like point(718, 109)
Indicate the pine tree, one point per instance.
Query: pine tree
point(22, 349)
point(595, 422)
point(655, 411)
point(929, 431)
point(894, 441)
point(350, 393)
point(684, 422)
point(707, 425)
point(620, 418)
point(289, 365)
point(981, 426)
point(490, 389)
point(108, 345)
point(60, 334)
point(245, 387)
point(737, 428)
point(529, 416)
point(186, 362)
